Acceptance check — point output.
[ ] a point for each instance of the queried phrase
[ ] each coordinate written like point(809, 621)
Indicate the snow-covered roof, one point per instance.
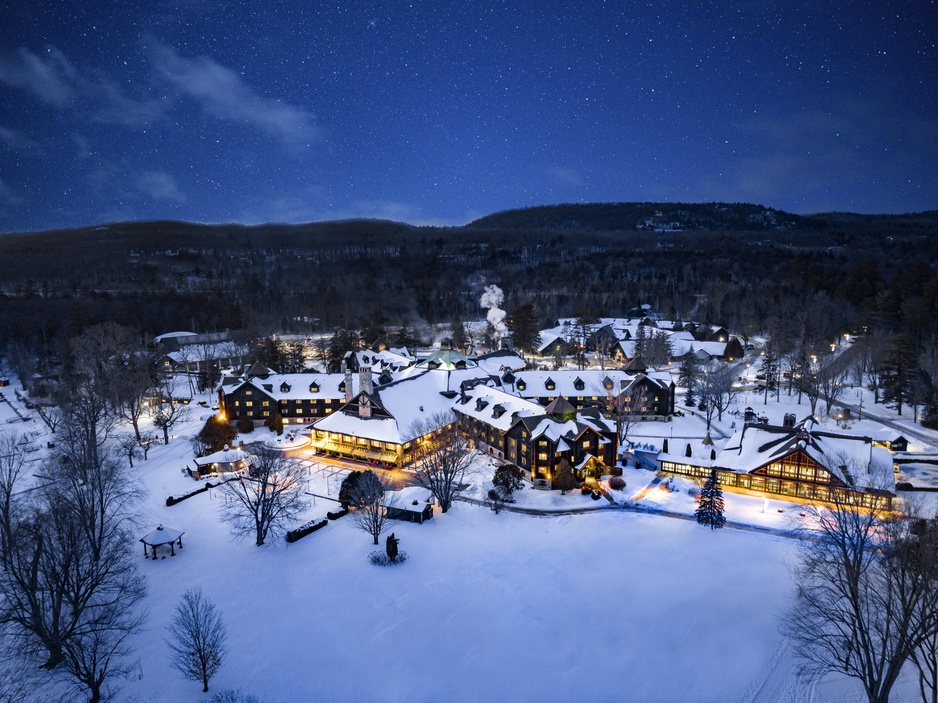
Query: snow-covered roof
point(410, 401)
point(161, 535)
point(207, 352)
point(298, 386)
point(851, 458)
point(595, 382)
point(496, 407)
point(225, 456)
point(497, 362)
point(172, 335)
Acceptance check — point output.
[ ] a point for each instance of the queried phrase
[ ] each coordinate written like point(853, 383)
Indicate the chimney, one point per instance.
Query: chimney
point(365, 383)
point(348, 382)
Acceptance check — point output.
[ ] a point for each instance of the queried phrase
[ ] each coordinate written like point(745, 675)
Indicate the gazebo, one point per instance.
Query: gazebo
point(160, 536)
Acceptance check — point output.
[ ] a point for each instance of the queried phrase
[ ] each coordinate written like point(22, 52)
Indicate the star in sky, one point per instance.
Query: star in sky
point(437, 112)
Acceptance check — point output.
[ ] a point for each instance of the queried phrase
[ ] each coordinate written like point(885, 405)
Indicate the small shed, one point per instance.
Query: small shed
point(225, 461)
point(161, 536)
point(415, 511)
point(411, 505)
point(891, 439)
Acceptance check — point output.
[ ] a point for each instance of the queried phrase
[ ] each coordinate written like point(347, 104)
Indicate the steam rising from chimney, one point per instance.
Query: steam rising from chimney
point(492, 298)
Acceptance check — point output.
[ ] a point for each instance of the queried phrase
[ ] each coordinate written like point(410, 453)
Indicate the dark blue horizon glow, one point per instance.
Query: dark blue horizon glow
point(438, 113)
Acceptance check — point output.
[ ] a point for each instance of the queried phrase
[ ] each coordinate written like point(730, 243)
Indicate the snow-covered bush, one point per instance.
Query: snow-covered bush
point(617, 483)
point(382, 559)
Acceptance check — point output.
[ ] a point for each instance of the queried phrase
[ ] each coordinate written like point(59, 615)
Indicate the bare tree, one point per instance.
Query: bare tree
point(94, 656)
point(146, 443)
point(69, 589)
point(822, 376)
point(198, 637)
point(868, 595)
point(129, 447)
point(442, 458)
point(369, 501)
point(50, 415)
point(12, 470)
point(133, 380)
point(832, 376)
point(271, 495)
point(169, 413)
point(716, 389)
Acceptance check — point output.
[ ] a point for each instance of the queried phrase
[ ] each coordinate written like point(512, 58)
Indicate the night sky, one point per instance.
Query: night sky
point(440, 112)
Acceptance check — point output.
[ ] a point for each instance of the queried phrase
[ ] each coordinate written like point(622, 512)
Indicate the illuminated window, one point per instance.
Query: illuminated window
point(542, 456)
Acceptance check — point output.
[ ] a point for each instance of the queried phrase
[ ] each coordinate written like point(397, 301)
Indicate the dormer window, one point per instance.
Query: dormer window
point(498, 411)
point(578, 384)
point(549, 384)
point(481, 404)
point(522, 385)
point(313, 387)
point(342, 386)
point(607, 383)
point(284, 387)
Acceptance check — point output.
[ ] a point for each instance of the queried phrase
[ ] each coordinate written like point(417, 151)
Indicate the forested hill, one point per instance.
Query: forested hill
point(714, 217)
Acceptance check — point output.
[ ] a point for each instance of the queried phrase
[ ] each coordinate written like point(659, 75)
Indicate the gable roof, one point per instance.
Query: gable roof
point(850, 458)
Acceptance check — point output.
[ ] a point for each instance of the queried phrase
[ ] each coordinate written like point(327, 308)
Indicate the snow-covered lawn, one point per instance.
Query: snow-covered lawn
point(605, 606)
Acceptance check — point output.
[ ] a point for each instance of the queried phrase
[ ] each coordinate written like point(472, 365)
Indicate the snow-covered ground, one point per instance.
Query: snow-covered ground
point(611, 605)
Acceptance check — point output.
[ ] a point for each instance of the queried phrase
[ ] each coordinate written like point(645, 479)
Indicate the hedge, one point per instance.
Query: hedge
point(308, 528)
point(172, 500)
point(337, 514)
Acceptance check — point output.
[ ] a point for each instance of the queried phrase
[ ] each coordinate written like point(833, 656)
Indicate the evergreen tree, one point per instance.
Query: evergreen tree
point(710, 510)
point(459, 336)
point(347, 489)
point(507, 480)
point(688, 375)
point(390, 546)
point(564, 478)
point(215, 434)
point(641, 342)
point(770, 368)
point(523, 323)
point(342, 341)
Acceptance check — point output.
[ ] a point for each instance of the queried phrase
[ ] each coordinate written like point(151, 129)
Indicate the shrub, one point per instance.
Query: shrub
point(693, 491)
point(381, 559)
point(904, 486)
point(507, 480)
point(617, 483)
point(496, 500)
point(586, 490)
point(337, 514)
point(245, 425)
point(616, 470)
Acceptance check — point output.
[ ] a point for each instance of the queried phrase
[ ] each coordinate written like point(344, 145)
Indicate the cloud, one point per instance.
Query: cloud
point(159, 185)
point(566, 176)
point(16, 139)
point(225, 95)
point(50, 78)
point(55, 81)
point(8, 196)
